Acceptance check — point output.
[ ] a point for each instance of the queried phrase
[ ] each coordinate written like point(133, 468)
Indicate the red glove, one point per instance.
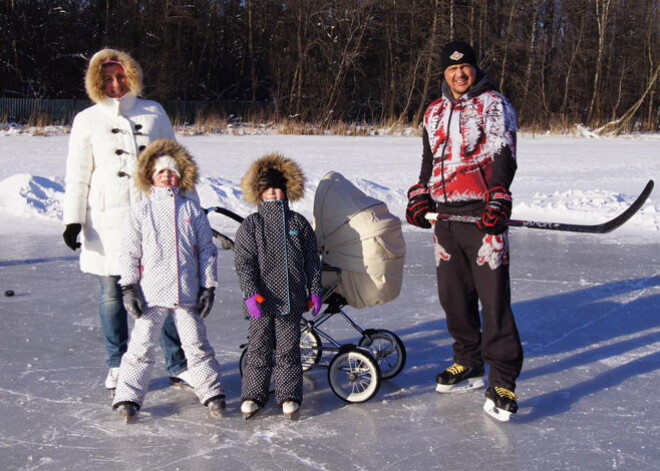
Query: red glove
point(497, 212)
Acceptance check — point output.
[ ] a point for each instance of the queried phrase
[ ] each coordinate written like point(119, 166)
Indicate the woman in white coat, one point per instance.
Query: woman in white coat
point(105, 142)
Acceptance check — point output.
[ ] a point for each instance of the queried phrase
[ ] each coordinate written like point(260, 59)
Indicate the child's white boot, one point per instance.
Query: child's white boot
point(289, 408)
point(249, 408)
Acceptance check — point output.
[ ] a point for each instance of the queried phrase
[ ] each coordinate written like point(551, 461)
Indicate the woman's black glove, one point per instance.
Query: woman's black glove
point(70, 235)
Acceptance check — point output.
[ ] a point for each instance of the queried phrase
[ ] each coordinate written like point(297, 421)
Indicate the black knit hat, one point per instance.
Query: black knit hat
point(457, 52)
point(272, 178)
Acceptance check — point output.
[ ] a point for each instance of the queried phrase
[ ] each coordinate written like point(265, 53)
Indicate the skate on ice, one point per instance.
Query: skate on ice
point(183, 380)
point(127, 409)
point(249, 408)
point(290, 408)
point(458, 378)
point(216, 405)
point(500, 403)
point(111, 380)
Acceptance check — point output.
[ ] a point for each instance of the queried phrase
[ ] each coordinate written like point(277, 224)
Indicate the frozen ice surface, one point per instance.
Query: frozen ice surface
point(587, 312)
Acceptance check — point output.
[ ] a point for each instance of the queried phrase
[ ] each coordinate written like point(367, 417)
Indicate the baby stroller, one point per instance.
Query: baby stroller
point(362, 252)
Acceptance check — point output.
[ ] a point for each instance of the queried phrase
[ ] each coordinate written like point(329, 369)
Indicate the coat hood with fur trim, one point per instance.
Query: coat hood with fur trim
point(158, 148)
point(94, 78)
point(295, 179)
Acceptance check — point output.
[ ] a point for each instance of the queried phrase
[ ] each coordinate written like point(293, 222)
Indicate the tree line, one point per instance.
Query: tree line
point(559, 62)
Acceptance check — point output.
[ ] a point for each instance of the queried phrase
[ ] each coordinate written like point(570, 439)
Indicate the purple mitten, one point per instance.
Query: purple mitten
point(316, 301)
point(252, 304)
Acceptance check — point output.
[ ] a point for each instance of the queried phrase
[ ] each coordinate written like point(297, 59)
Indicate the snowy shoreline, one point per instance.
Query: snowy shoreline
point(560, 178)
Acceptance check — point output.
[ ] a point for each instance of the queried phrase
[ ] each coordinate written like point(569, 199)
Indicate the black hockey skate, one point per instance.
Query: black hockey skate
point(216, 405)
point(458, 378)
point(127, 409)
point(500, 403)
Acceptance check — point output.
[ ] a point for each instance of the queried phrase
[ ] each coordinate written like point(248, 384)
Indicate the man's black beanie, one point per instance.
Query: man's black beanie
point(457, 52)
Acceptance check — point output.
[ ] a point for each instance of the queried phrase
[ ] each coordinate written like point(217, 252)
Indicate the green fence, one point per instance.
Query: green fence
point(62, 111)
point(35, 110)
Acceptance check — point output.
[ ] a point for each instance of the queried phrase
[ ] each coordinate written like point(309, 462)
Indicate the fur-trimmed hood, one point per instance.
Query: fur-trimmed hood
point(158, 148)
point(290, 170)
point(94, 78)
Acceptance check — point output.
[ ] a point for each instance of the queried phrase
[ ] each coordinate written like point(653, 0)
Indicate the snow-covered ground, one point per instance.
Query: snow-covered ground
point(587, 307)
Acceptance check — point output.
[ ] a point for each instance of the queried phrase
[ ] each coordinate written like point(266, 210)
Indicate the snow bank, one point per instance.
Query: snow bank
point(560, 178)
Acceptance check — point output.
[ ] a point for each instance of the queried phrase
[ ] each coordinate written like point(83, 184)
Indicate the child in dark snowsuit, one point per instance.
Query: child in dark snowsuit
point(279, 272)
point(167, 265)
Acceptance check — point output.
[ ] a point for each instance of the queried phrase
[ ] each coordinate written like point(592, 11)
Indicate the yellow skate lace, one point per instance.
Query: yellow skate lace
point(503, 392)
point(456, 369)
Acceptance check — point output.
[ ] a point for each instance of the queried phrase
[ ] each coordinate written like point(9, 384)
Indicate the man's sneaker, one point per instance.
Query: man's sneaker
point(216, 405)
point(289, 408)
point(126, 409)
point(183, 378)
point(249, 408)
point(459, 378)
point(112, 378)
point(500, 403)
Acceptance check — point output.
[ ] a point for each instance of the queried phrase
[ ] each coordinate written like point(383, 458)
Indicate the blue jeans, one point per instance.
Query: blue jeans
point(114, 321)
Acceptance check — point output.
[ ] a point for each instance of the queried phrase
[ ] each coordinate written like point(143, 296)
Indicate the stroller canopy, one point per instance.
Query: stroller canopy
point(359, 235)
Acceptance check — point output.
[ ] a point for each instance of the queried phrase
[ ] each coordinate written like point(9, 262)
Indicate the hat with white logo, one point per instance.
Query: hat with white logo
point(457, 52)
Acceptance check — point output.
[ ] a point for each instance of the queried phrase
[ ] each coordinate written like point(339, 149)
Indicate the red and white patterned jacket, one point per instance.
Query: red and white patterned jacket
point(469, 144)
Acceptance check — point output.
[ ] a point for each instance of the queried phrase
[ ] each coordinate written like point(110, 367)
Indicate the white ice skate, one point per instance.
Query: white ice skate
point(290, 408)
point(249, 408)
point(111, 380)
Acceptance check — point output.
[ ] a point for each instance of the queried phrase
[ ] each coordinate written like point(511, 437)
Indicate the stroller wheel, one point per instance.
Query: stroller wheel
point(387, 349)
point(310, 348)
point(242, 365)
point(354, 375)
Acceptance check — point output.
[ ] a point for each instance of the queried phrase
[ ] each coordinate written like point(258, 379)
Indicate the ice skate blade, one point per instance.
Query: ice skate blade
point(497, 414)
point(128, 419)
point(249, 415)
point(468, 385)
point(179, 383)
point(291, 415)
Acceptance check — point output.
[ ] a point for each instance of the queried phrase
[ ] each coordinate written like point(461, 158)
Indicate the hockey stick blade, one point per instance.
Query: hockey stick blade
point(603, 228)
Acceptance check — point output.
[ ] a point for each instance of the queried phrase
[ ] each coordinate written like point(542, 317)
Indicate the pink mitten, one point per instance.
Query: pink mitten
point(314, 303)
point(252, 304)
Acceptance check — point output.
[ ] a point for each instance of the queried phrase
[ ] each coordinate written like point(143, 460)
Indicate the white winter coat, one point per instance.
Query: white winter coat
point(167, 246)
point(105, 141)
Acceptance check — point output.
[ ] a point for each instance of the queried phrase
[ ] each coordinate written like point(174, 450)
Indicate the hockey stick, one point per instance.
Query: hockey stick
point(226, 242)
point(607, 226)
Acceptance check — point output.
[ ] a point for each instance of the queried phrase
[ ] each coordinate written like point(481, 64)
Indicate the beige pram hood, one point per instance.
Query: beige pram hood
point(359, 235)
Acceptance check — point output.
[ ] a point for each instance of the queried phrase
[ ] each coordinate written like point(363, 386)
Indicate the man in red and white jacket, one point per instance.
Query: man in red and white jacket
point(468, 164)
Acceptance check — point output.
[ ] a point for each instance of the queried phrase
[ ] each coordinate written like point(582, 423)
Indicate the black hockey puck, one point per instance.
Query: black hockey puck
point(9, 292)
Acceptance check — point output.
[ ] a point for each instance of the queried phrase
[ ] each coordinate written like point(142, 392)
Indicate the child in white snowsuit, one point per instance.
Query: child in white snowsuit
point(168, 265)
point(279, 272)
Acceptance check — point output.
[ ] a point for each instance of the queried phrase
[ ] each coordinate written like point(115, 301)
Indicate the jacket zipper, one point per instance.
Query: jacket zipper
point(444, 149)
point(286, 259)
point(176, 250)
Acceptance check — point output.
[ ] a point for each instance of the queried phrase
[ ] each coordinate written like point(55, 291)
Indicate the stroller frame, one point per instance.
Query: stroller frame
point(355, 371)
